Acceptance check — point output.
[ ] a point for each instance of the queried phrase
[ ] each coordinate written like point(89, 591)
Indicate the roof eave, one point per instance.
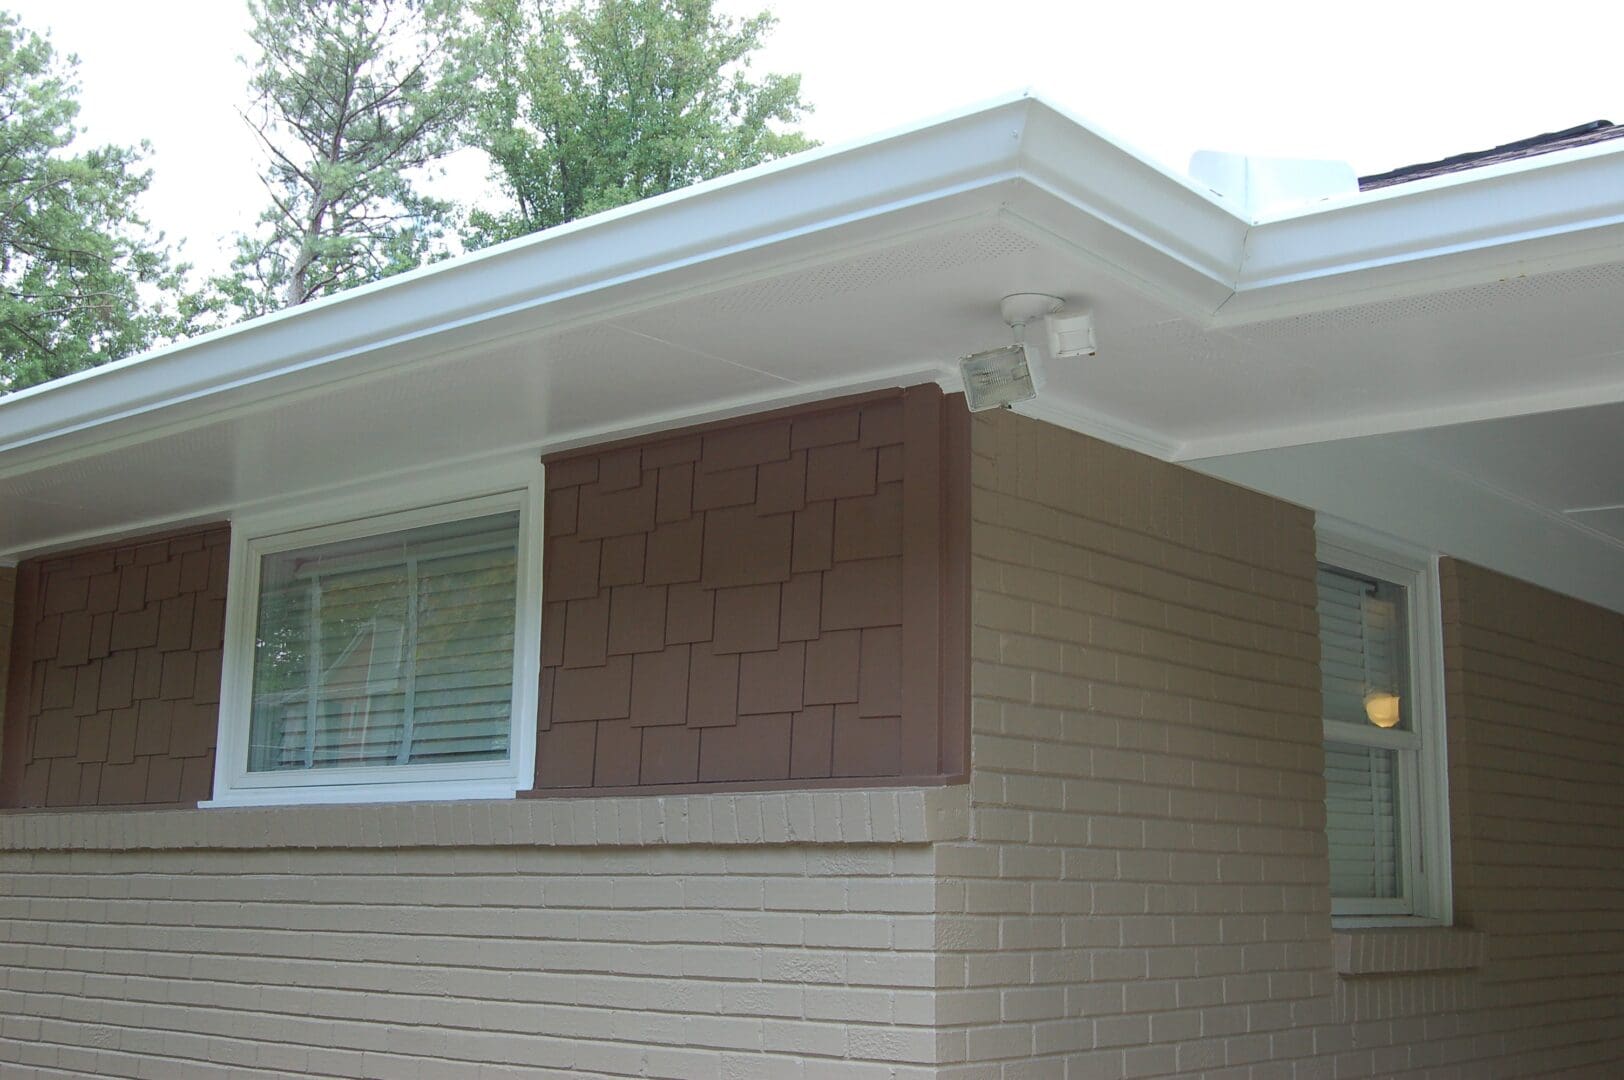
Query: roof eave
point(1031, 163)
point(1552, 212)
point(954, 166)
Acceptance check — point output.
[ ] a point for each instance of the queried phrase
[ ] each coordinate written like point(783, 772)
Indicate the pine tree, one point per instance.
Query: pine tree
point(82, 279)
point(585, 105)
point(353, 100)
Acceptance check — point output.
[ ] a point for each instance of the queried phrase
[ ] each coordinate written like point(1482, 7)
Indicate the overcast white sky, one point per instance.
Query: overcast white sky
point(1377, 84)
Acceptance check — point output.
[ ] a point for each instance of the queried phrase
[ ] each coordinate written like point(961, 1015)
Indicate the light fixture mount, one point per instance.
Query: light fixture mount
point(999, 378)
point(1020, 308)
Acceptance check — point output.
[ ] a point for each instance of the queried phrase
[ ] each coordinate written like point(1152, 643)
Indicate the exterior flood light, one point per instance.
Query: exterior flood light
point(999, 378)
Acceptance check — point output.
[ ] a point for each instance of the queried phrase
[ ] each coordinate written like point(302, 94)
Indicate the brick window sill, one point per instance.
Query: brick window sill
point(910, 815)
point(1406, 950)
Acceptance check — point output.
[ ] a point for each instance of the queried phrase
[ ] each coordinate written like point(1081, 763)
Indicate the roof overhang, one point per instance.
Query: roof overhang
point(870, 265)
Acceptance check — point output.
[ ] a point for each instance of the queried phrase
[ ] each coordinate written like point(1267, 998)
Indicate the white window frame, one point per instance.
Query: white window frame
point(1422, 765)
point(444, 497)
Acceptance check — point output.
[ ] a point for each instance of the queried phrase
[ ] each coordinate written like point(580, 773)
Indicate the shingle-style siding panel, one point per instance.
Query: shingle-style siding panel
point(8, 607)
point(758, 601)
point(1146, 888)
point(116, 674)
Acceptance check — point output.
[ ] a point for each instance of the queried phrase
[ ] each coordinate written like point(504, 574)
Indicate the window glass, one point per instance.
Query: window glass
point(1386, 776)
point(391, 649)
point(1364, 650)
point(1362, 821)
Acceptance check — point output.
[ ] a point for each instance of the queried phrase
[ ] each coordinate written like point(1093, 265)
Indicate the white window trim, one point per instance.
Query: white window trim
point(1423, 762)
point(448, 495)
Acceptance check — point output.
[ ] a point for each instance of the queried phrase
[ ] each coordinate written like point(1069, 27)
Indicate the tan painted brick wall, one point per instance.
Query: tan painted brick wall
point(1535, 690)
point(751, 936)
point(1145, 893)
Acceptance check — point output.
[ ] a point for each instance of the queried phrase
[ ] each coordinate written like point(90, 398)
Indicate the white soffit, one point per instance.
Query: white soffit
point(1487, 294)
point(1540, 497)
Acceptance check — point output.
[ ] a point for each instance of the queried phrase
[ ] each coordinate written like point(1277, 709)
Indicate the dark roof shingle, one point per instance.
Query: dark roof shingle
point(1583, 135)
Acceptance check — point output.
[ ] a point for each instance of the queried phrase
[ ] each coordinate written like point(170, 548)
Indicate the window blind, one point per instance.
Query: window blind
point(390, 650)
point(1362, 643)
point(1361, 820)
point(1363, 649)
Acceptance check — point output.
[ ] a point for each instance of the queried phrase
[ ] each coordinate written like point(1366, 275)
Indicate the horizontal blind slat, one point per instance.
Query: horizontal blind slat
point(1361, 810)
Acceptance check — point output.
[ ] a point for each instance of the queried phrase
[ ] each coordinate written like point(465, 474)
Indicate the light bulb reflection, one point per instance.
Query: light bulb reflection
point(1381, 708)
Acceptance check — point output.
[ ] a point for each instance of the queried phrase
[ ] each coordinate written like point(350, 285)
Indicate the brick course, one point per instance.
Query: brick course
point(772, 935)
point(698, 962)
point(1535, 689)
point(1145, 891)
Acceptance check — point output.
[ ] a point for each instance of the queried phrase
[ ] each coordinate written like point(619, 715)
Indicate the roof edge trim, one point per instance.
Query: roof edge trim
point(1474, 226)
point(824, 188)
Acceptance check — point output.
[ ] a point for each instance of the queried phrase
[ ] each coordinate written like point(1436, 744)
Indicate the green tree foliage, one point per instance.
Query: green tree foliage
point(585, 105)
point(82, 281)
point(353, 100)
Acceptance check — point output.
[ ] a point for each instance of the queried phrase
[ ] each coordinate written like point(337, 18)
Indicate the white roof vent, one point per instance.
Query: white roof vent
point(1266, 186)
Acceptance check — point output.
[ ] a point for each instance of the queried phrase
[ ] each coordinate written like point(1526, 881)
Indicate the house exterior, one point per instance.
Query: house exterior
point(622, 653)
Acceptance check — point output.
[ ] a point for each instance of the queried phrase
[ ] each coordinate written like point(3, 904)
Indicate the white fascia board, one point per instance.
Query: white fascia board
point(1038, 168)
point(1549, 212)
point(755, 209)
point(1094, 198)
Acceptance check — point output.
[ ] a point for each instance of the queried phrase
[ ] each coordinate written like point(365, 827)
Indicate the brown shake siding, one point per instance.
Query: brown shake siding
point(8, 603)
point(115, 674)
point(775, 600)
point(780, 600)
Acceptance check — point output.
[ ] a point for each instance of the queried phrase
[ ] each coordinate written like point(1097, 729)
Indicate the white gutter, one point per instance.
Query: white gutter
point(1084, 194)
point(1083, 190)
point(1036, 166)
point(750, 210)
point(1550, 212)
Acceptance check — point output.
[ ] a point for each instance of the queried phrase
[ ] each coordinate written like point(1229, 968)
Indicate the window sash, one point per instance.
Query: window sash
point(514, 484)
point(1419, 778)
point(420, 599)
point(1364, 644)
point(1363, 815)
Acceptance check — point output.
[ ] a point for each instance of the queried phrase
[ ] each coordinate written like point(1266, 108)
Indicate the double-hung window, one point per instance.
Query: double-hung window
point(1386, 805)
point(389, 656)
